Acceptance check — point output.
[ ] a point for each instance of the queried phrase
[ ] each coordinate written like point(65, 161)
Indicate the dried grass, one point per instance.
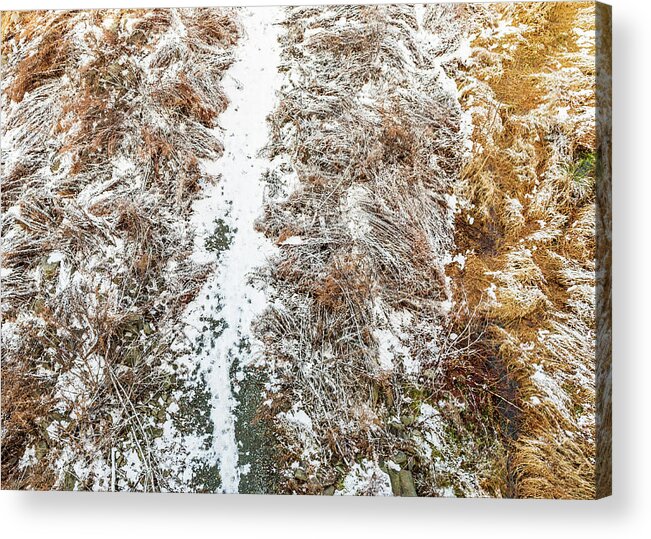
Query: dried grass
point(104, 145)
point(375, 142)
point(530, 241)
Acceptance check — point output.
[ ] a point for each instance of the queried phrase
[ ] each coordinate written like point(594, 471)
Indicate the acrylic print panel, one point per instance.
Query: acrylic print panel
point(349, 250)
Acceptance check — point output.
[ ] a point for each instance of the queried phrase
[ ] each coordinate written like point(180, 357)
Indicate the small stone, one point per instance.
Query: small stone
point(400, 457)
point(49, 269)
point(300, 474)
point(329, 490)
point(408, 420)
point(430, 373)
point(375, 395)
point(39, 305)
point(41, 450)
point(407, 486)
point(394, 477)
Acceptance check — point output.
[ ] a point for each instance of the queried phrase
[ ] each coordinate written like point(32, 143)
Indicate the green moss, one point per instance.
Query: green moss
point(582, 173)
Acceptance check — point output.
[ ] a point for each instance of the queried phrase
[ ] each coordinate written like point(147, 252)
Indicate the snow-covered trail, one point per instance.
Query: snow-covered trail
point(221, 316)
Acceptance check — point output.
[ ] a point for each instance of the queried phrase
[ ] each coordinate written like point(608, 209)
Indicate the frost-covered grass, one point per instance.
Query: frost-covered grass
point(367, 142)
point(395, 297)
point(106, 117)
point(526, 225)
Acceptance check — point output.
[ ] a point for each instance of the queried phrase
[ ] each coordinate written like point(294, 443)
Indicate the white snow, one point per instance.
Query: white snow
point(237, 199)
point(490, 291)
point(55, 256)
point(297, 417)
point(432, 425)
point(28, 458)
point(293, 240)
point(460, 259)
point(393, 466)
point(563, 114)
point(390, 336)
point(366, 479)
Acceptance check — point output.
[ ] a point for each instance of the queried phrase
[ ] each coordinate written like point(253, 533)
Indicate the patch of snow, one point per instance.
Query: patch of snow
point(55, 257)
point(293, 240)
point(431, 421)
point(390, 335)
point(451, 201)
point(28, 459)
point(393, 466)
point(366, 479)
point(237, 199)
point(298, 417)
point(490, 291)
point(563, 115)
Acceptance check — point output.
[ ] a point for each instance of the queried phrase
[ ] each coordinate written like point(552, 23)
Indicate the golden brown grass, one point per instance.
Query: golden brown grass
point(529, 234)
point(51, 56)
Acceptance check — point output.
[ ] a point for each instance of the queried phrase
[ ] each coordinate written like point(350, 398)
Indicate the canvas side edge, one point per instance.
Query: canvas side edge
point(603, 315)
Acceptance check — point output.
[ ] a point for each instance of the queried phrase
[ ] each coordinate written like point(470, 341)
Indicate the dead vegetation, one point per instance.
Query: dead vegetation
point(106, 117)
point(386, 340)
point(357, 334)
point(527, 230)
point(431, 311)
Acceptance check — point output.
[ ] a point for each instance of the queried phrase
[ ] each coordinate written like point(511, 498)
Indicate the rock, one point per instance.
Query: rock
point(329, 490)
point(132, 357)
point(400, 457)
point(134, 322)
point(38, 306)
point(407, 486)
point(375, 395)
point(138, 37)
point(430, 373)
point(388, 395)
point(41, 450)
point(69, 481)
point(394, 477)
point(300, 474)
point(408, 420)
point(49, 269)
